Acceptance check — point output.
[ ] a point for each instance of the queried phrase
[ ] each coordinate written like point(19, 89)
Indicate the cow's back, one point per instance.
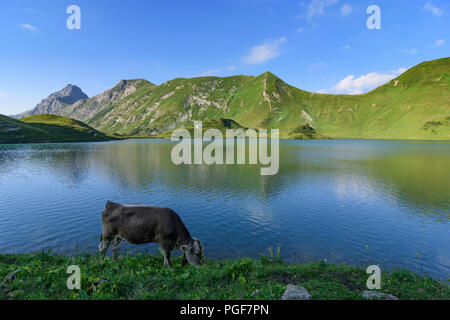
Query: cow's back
point(142, 224)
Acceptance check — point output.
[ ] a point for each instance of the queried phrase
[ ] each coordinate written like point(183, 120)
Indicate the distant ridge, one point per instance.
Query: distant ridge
point(415, 105)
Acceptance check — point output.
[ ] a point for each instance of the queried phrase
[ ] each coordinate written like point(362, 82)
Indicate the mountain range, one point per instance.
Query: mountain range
point(415, 105)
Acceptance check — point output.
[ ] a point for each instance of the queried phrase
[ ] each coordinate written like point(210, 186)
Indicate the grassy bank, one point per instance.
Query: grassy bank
point(142, 276)
point(47, 128)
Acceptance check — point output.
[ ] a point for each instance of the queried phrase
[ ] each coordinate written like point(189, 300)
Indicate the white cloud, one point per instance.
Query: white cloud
point(347, 47)
point(439, 42)
point(411, 52)
point(264, 52)
point(29, 27)
point(211, 72)
point(367, 82)
point(317, 66)
point(231, 68)
point(430, 7)
point(2, 94)
point(317, 7)
point(322, 91)
point(33, 11)
point(299, 30)
point(346, 9)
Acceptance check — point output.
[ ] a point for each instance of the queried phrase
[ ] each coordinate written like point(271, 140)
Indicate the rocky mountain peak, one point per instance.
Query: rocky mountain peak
point(57, 101)
point(70, 94)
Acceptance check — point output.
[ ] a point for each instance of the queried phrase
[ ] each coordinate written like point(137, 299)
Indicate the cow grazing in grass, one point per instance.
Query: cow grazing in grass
point(139, 224)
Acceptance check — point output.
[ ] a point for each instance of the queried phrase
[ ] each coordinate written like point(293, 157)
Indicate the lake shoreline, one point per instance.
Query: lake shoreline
point(117, 138)
point(143, 276)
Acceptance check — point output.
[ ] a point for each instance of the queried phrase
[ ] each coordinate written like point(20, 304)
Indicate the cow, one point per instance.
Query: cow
point(138, 224)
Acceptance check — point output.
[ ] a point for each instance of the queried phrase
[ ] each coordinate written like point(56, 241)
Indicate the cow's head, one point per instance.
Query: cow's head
point(193, 252)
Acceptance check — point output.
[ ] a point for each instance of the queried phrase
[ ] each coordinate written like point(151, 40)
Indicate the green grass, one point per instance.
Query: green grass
point(47, 128)
point(142, 276)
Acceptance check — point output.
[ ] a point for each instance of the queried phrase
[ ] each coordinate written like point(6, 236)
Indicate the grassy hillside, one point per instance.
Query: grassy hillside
point(124, 94)
point(153, 110)
point(47, 128)
point(142, 276)
point(416, 105)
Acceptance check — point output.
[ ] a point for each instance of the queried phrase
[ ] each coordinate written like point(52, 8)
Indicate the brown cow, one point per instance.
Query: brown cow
point(139, 224)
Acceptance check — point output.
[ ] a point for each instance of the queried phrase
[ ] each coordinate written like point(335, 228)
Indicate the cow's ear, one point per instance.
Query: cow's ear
point(110, 205)
point(183, 248)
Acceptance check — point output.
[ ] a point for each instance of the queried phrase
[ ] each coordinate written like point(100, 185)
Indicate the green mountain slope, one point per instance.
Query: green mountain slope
point(47, 128)
point(415, 105)
point(120, 97)
point(157, 109)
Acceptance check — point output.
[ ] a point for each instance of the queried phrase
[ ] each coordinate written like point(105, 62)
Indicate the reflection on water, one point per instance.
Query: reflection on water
point(360, 202)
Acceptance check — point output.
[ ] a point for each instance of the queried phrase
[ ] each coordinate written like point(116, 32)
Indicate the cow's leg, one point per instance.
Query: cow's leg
point(103, 246)
point(166, 247)
point(167, 258)
point(184, 261)
point(116, 246)
point(105, 240)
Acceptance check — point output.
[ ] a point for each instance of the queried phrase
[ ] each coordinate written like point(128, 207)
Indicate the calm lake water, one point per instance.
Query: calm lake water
point(354, 201)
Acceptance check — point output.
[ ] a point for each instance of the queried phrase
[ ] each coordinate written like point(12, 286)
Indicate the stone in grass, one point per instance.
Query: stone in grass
point(255, 292)
point(295, 293)
point(370, 295)
point(11, 275)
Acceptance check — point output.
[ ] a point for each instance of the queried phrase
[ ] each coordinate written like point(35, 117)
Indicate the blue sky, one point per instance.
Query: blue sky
point(315, 45)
